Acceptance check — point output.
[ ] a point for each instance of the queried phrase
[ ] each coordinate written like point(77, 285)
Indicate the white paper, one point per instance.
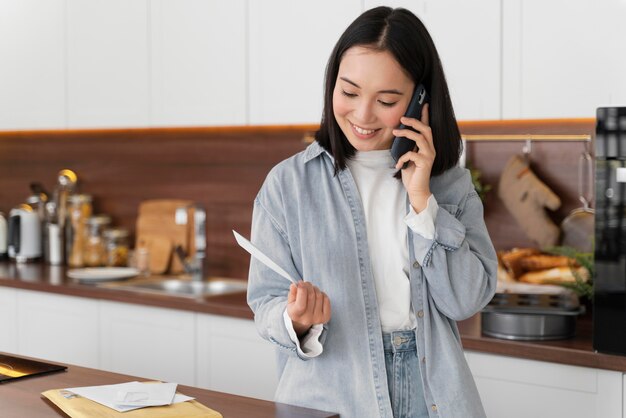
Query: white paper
point(258, 254)
point(132, 395)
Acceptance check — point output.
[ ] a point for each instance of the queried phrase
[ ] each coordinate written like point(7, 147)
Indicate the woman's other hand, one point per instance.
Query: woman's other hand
point(416, 176)
point(307, 306)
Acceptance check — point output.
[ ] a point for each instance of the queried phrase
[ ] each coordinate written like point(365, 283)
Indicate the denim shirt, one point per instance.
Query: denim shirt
point(312, 224)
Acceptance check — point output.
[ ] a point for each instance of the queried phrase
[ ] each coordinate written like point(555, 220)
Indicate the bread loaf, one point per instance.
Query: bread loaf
point(554, 275)
point(512, 260)
point(545, 261)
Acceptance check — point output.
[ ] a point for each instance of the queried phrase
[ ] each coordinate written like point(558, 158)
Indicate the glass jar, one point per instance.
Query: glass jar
point(79, 210)
point(117, 247)
point(95, 251)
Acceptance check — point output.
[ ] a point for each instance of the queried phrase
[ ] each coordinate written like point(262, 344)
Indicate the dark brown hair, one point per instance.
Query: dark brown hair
point(402, 34)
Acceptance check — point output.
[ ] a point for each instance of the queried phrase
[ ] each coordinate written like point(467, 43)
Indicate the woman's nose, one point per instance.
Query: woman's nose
point(364, 112)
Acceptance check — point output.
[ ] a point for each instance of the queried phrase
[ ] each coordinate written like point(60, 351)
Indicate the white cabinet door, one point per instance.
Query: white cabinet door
point(289, 45)
point(58, 327)
point(518, 388)
point(468, 38)
point(571, 57)
point(8, 320)
point(198, 54)
point(107, 63)
point(233, 358)
point(155, 343)
point(32, 72)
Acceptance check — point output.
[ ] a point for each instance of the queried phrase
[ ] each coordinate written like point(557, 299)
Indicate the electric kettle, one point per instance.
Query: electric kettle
point(3, 236)
point(24, 242)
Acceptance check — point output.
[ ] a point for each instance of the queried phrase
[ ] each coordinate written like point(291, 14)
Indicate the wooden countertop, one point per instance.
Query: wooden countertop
point(53, 279)
point(577, 351)
point(22, 398)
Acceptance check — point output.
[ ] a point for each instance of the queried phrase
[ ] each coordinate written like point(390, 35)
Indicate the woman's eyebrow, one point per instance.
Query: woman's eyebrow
point(391, 91)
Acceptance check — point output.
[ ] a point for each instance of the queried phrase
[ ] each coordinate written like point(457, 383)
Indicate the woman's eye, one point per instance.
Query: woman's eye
point(387, 104)
point(345, 93)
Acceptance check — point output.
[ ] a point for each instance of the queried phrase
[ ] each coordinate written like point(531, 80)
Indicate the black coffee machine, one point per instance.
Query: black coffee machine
point(609, 304)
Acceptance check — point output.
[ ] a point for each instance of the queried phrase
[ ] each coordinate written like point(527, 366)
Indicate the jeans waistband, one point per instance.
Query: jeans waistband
point(399, 341)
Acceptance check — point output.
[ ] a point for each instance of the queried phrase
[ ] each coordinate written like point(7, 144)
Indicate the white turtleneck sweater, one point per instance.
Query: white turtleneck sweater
point(384, 200)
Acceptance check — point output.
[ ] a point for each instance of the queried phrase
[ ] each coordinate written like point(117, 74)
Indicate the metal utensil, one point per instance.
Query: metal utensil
point(577, 229)
point(527, 317)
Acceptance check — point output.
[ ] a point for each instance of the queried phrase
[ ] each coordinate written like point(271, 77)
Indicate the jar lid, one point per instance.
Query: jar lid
point(79, 198)
point(35, 199)
point(115, 233)
point(99, 220)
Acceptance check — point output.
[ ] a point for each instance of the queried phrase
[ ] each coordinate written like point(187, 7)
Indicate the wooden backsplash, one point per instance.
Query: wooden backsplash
point(223, 168)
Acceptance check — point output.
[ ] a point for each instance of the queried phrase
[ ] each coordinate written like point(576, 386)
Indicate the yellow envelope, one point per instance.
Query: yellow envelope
point(79, 407)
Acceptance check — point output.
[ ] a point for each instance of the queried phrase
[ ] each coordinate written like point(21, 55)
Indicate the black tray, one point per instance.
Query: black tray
point(19, 368)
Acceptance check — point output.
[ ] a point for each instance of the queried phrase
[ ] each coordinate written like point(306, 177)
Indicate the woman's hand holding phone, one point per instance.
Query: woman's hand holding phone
point(416, 176)
point(307, 306)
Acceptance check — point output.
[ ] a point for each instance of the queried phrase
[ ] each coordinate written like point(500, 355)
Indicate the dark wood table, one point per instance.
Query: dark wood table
point(22, 398)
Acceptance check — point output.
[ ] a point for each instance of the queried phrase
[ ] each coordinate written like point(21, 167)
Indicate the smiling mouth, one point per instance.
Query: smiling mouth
point(362, 131)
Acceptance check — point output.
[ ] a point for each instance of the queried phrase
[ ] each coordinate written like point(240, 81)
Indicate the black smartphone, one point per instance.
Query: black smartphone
point(403, 145)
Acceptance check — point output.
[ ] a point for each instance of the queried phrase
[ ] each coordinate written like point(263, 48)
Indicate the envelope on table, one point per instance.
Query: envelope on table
point(132, 395)
point(80, 407)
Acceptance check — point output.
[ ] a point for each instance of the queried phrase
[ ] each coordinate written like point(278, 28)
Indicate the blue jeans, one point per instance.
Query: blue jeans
point(403, 375)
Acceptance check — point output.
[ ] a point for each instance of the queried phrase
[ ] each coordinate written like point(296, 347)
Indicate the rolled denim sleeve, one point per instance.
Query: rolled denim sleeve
point(459, 263)
point(267, 290)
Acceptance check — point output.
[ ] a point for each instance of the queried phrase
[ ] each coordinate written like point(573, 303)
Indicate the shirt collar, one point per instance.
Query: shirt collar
point(315, 150)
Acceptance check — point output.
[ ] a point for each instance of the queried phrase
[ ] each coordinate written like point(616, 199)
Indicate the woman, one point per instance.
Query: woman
point(388, 265)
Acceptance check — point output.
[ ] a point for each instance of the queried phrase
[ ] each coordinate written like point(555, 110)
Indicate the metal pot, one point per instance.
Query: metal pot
point(518, 316)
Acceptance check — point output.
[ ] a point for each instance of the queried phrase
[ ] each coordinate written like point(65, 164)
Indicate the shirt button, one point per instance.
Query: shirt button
point(397, 340)
point(423, 359)
point(434, 407)
point(416, 265)
point(420, 314)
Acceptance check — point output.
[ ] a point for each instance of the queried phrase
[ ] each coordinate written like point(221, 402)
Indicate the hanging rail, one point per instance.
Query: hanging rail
point(528, 137)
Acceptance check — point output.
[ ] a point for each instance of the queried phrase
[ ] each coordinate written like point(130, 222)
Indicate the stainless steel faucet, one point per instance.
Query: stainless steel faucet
point(193, 263)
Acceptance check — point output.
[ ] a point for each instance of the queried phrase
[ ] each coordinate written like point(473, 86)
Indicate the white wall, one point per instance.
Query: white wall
point(137, 63)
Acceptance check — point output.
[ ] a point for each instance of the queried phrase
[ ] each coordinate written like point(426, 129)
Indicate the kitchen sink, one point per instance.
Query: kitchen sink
point(182, 287)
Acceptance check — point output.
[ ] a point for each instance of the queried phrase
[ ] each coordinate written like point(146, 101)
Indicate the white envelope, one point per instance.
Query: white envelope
point(132, 395)
point(259, 255)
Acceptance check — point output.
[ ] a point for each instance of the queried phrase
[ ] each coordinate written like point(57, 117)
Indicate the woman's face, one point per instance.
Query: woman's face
point(372, 92)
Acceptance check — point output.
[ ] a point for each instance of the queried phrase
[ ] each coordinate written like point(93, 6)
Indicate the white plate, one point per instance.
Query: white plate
point(101, 274)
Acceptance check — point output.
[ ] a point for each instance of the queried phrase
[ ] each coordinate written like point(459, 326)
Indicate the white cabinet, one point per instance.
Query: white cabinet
point(198, 62)
point(518, 388)
point(233, 358)
point(226, 354)
point(57, 327)
point(563, 58)
point(8, 320)
point(154, 343)
point(107, 63)
point(468, 38)
point(289, 46)
point(32, 73)
point(119, 63)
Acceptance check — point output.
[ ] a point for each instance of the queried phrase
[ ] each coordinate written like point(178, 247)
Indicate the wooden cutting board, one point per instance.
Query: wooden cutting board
point(160, 230)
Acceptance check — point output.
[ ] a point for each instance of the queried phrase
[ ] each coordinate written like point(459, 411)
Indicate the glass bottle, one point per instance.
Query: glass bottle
point(79, 210)
point(95, 251)
point(117, 247)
